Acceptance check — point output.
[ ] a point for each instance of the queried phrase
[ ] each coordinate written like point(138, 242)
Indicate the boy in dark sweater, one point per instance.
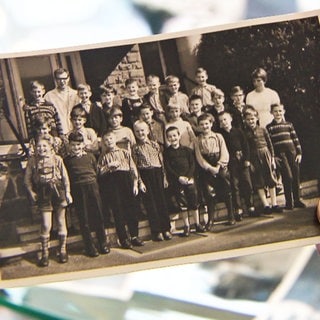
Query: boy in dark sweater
point(287, 149)
point(239, 165)
point(179, 162)
point(82, 168)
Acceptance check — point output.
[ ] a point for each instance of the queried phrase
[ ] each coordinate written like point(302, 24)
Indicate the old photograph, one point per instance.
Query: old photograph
point(158, 151)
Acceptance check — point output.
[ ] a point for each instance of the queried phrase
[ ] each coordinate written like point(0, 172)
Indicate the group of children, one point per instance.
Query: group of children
point(153, 153)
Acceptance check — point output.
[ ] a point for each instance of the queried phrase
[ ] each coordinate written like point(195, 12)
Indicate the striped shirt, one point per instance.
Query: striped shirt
point(46, 109)
point(147, 155)
point(284, 137)
point(117, 159)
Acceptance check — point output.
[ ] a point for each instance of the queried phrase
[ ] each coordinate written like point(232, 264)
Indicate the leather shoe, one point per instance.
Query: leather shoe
point(63, 257)
point(167, 235)
point(44, 261)
point(104, 249)
point(92, 252)
point(299, 204)
point(186, 231)
point(209, 225)
point(200, 228)
point(157, 237)
point(137, 242)
point(126, 244)
point(276, 209)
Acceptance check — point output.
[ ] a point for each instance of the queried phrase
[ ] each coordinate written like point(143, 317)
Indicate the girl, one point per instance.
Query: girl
point(261, 159)
point(47, 182)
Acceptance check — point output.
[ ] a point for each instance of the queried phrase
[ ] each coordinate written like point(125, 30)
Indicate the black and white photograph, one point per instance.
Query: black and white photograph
point(171, 149)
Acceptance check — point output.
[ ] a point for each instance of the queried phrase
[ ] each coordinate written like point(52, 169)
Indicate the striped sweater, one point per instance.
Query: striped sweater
point(284, 137)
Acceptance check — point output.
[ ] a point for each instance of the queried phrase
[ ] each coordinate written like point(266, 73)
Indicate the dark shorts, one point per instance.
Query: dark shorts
point(51, 197)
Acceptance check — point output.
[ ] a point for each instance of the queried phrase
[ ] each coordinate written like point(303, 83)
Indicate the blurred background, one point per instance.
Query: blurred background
point(274, 285)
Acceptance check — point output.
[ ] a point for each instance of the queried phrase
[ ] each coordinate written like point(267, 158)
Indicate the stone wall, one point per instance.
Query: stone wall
point(129, 67)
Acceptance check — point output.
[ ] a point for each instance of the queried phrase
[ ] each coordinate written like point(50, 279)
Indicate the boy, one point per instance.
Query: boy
point(176, 97)
point(218, 106)
point(124, 136)
point(288, 149)
point(78, 119)
point(39, 106)
point(196, 106)
point(148, 158)
point(131, 103)
point(186, 133)
point(156, 128)
point(203, 89)
point(94, 115)
point(239, 165)
point(82, 170)
point(119, 182)
point(213, 157)
point(156, 97)
point(180, 167)
point(236, 110)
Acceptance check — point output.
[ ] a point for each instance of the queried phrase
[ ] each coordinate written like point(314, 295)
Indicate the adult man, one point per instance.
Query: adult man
point(63, 97)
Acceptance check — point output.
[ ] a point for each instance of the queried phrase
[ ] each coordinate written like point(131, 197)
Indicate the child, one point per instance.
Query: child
point(236, 110)
point(288, 149)
point(108, 99)
point(156, 128)
point(180, 167)
point(82, 169)
point(218, 106)
point(131, 103)
point(261, 159)
point(239, 165)
point(148, 158)
point(42, 127)
point(39, 106)
point(47, 182)
point(213, 157)
point(95, 118)
point(156, 97)
point(176, 97)
point(261, 98)
point(186, 133)
point(78, 119)
point(119, 180)
point(124, 136)
point(203, 89)
point(195, 103)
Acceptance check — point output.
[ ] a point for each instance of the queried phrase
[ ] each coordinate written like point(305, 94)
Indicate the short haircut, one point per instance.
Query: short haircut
point(45, 137)
point(41, 120)
point(145, 106)
point(222, 113)
point(195, 97)
point(171, 128)
point(172, 107)
point(259, 73)
point(107, 133)
point(107, 88)
point(250, 110)
point(76, 137)
point(171, 78)
point(114, 111)
point(36, 84)
point(139, 123)
point(60, 71)
point(218, 92)
point(274, 105)
point(201, 70)
point(206, 116)
point(130, 81)
point(236, 89)
point(152, 77)
point(83, 86)
point(78, 111)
